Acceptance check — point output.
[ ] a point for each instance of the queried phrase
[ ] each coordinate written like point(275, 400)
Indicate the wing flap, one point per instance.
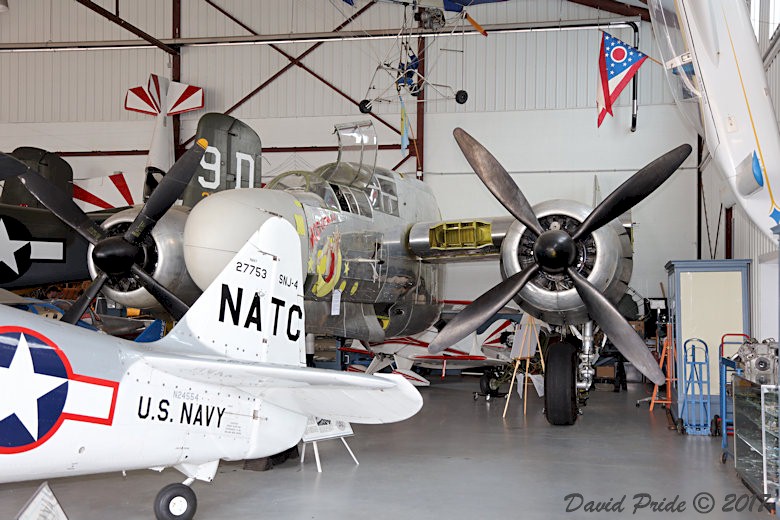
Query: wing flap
point(347, 396)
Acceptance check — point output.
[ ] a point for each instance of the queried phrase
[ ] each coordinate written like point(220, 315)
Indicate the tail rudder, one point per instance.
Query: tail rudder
point(253, 310)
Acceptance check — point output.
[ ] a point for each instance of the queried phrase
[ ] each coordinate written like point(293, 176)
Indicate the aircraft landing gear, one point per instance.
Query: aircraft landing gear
point(489, 383)
point(175, 502)
point(560, 385)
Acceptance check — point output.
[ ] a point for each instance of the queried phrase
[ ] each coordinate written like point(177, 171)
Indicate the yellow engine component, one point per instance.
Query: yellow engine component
point(461, 235)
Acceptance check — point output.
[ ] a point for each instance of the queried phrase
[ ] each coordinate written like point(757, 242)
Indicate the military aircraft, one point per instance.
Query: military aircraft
point(372, 248)
point(716, 74)
point(488, 348)
point(36, 248)
point(227, 383)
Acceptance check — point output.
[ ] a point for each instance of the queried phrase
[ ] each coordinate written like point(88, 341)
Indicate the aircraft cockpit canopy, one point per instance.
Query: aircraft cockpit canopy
point(679, 67)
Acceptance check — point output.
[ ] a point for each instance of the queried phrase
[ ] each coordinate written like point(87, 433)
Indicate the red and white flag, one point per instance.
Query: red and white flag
point(618, 62)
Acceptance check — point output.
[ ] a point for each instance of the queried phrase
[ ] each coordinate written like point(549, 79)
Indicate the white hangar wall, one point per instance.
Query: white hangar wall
point(531, 101)
point(557, 154)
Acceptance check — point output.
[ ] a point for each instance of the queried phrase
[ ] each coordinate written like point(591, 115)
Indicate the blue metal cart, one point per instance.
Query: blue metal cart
point(695, 411)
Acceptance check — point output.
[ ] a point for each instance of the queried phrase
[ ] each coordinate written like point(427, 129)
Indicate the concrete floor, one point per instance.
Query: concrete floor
point(456, 459)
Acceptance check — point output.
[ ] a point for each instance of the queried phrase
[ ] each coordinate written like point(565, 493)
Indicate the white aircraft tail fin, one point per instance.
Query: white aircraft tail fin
point(163, 98)
point(253, 311)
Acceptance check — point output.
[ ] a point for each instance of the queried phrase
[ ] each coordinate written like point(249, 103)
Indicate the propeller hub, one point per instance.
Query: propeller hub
point(555, 251)
point(115, 255)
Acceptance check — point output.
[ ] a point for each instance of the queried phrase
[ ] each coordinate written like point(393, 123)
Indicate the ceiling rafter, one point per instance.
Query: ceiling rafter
point(616, 7)
point(124, 24)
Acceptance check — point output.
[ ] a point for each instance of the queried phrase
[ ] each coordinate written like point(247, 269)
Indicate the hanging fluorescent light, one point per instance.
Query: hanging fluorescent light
point(3, 6)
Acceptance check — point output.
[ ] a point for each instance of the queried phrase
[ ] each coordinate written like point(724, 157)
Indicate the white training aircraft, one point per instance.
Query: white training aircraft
point(488, 348)
point(228, 382)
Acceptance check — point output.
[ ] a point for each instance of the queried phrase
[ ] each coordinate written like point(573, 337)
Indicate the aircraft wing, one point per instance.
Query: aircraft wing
point(337, 395)
point(455, 362)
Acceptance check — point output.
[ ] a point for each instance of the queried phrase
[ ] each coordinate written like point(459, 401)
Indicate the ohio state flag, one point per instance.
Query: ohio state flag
point(618, 62)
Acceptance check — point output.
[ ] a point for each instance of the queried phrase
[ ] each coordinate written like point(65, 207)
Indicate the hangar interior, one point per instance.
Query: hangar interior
point(292, 71)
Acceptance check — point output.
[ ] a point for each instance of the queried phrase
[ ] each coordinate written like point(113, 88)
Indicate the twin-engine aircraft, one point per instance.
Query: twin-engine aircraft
point(372, 246)
point(227, 383)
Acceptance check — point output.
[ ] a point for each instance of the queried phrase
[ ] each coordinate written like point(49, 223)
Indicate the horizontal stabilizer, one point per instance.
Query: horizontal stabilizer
point(184, 98)
point(344, 396)
point(161, 94)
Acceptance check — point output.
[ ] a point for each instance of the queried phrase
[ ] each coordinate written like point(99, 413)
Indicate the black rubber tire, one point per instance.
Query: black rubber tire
point(461, 97)
point(171, 492)
point(560, 385)
point(680, 427)
point(715, 426)
point(724, 457)
point(365, 106)
point(488, 384)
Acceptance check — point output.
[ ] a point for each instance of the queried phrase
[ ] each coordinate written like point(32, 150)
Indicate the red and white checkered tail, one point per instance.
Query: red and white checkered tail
point(161, 94)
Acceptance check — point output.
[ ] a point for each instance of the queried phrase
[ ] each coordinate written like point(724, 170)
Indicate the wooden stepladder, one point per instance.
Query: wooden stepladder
point(530, 334)
point(668, 357)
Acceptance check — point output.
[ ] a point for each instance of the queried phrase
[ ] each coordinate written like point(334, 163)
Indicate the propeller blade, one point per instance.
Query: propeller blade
point(165, 194)
point(617, 328)
point(637, 187)
point(167, 299)
point(10, 166)
point(62, 205)
point(80, 306)
point(497, 180)
point(481, 310)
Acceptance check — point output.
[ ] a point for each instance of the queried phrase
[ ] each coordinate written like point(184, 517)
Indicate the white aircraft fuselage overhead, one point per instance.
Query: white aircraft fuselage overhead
point(227, 383)
point(716, 74)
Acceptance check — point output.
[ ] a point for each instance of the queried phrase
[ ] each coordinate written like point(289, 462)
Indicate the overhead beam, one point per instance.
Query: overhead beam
point(320, 37)
point(613, 6)
point(128, 26)
point(268, 149)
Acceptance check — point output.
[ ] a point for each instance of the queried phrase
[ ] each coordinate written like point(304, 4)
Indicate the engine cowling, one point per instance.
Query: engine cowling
point(162, 255)
point(604, 258)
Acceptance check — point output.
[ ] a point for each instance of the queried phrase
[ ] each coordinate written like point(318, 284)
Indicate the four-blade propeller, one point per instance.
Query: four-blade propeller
point(115, 256)
point(555, 251)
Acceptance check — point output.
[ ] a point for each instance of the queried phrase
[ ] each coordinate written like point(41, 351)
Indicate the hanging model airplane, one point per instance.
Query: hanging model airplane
point(227, 383)
point(372, 244)
point(400, 74)
point(716, 74)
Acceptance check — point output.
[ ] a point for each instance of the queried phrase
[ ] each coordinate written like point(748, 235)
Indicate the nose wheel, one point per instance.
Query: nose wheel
point(175, 502)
